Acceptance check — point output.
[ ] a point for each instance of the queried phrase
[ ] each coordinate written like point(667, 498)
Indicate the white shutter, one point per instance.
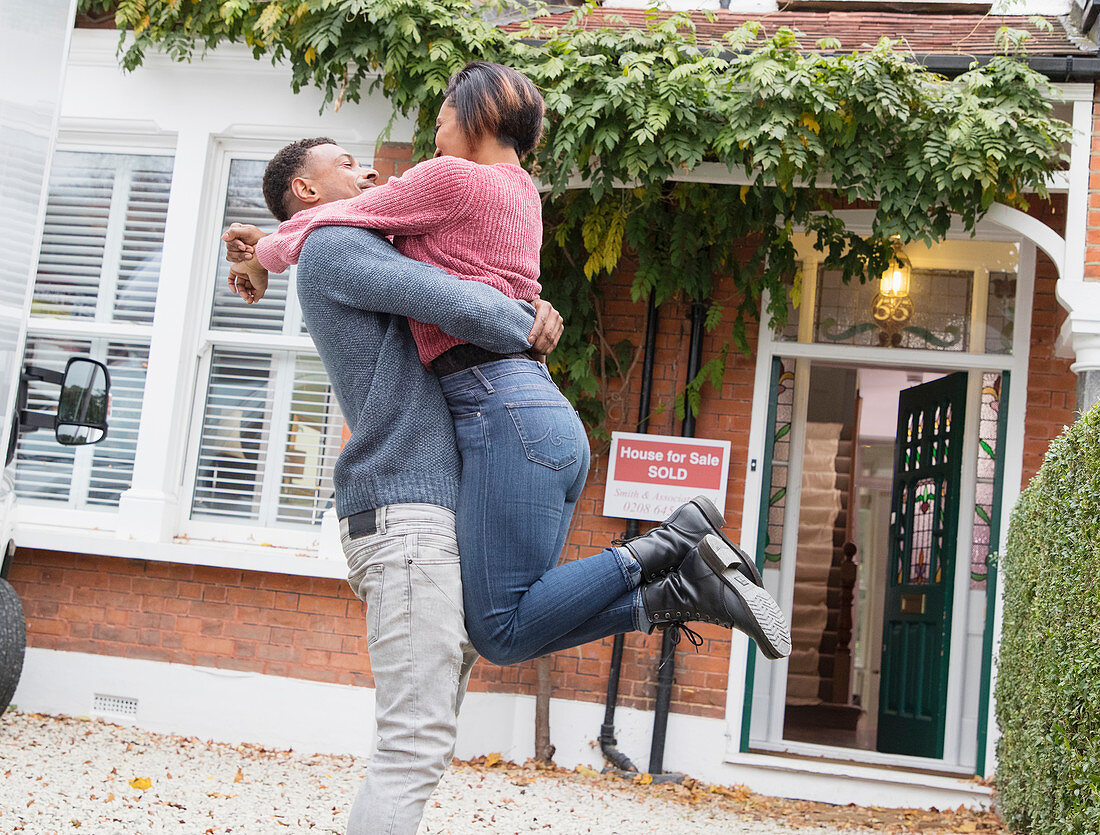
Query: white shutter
point(112, 469)
point(235, 429)
point(99, 263)
point(143, 238)
point(270, 435)
point(244, 203)
point(44, 468)
point(314, 441)
point(92, 475)
point(270, 429)
point(101, 242)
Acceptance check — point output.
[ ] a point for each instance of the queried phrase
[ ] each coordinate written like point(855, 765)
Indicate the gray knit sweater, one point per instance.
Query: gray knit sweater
point(356, 290)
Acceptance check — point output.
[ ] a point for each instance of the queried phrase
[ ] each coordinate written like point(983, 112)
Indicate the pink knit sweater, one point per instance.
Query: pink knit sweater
point(478, 222)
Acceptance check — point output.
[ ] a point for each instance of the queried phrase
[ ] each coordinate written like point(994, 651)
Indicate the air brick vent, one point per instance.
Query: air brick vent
point(114, 705)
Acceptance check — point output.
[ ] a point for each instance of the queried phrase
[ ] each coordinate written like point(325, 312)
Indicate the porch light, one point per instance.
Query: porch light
point(895, 281)
point(892, 307)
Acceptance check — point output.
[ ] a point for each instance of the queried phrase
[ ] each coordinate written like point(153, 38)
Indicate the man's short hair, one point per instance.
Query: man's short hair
point(281, 171)
point(494, 100)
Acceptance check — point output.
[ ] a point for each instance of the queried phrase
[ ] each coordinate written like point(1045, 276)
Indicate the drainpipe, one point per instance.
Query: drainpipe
point(667, 663)
point(608, 743)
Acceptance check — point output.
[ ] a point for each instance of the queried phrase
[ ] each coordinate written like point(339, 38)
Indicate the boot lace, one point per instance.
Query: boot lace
point(679, 629)
point(676, 631)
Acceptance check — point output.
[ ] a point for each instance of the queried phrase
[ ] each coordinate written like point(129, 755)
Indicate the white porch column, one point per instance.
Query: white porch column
point(1080, 338)
point(149, 510)
point(1080, 335)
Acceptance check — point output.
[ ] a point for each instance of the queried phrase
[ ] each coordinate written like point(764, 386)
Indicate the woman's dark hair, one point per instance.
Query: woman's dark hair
point(494, 100)
point(281, 171)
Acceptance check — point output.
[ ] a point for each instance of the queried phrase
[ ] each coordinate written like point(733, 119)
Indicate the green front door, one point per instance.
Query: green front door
point(923, 533)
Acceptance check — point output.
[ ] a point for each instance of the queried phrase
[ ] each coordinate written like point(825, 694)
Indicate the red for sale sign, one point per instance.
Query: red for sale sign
point(649, 476)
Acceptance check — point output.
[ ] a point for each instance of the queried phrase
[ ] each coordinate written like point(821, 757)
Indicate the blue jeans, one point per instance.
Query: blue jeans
point(524, 461)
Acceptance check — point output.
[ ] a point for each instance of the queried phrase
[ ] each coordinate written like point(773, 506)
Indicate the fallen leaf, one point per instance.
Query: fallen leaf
point(110, 796)
point(587, 772)
point(141, 783)
point(646, 779)
point(240, 777)
point(492, 759)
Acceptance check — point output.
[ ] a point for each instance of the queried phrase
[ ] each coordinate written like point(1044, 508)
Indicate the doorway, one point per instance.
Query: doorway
point(879, 504)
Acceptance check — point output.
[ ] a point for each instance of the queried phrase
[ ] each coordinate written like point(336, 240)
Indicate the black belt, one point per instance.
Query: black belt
point(363, 523)
point(464, 356)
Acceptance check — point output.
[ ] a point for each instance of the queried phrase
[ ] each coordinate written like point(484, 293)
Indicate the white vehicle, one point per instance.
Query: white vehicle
point(34, 43)
point(81, 418)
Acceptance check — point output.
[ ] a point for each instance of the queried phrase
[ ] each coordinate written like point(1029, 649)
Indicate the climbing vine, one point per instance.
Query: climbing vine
point(803, 130)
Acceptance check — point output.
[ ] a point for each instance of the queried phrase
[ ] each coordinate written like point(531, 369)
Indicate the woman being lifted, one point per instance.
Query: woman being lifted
point(475, 212)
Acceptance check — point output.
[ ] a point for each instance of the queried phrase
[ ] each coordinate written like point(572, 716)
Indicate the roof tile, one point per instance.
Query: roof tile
point(923, 33)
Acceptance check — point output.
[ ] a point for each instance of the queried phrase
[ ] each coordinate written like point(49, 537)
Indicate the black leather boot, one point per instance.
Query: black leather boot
point(704, 588)
point(662, 549)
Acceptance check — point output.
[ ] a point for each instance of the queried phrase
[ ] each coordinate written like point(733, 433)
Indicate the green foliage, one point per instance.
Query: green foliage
point(630, 112)
point(1048, 698)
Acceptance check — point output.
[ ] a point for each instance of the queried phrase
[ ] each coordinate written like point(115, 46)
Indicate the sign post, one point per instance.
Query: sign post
point(649, 476)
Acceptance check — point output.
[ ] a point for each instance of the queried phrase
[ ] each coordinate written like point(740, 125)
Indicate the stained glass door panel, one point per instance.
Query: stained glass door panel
point(923, 536)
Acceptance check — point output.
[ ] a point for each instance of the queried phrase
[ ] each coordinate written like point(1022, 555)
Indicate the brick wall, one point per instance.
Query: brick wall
point(305, 627)
point(1052, 387)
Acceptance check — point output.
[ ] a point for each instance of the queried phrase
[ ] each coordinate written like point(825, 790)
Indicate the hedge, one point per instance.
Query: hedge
point(1048, 684)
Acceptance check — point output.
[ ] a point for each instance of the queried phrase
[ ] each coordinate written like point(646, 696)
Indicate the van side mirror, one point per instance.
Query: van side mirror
point(82, 406)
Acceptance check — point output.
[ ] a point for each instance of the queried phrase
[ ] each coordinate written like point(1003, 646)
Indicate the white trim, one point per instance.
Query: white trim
point(1013, 224)
point(254, 532)
point(1013, 467)
point(64, 518)
point(777, 689)
point(31, 531)
point(979, 308)
point(717, 173)
point(98, 48)
point(740, 648)
point(892, 357)
point(260, 342)
point(835, 755)
point(1033, 230)
point(1077, 203)
point(56, 326)
point(147, 509)
point(896, 777)
point(1072, 91)
point(140, 137)
point(960, 589)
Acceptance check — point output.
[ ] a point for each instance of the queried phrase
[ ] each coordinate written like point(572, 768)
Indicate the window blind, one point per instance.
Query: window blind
point(269, 439)
point(270, 429)
point(83, 476)
point(99, 263)
point(244, 203)
point(101, 242)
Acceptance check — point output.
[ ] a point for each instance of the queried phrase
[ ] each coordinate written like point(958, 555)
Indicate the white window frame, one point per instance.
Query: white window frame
point(291, 340)
point(769, 738)
point(151, 143)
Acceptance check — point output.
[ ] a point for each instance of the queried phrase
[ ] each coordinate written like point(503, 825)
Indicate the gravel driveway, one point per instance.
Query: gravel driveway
point(68, 775)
